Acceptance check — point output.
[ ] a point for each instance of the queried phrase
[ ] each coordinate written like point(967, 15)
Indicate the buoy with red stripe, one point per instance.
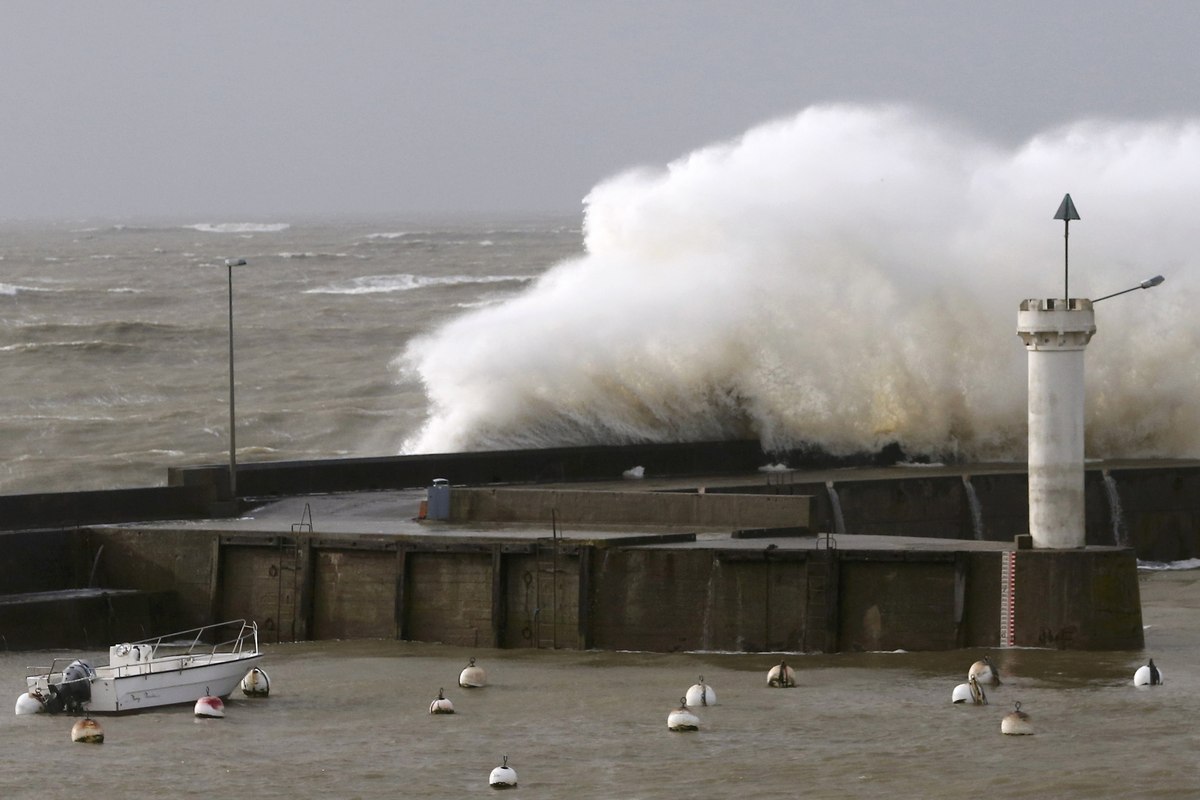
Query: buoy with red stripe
point(210, 707)
point(88, 731)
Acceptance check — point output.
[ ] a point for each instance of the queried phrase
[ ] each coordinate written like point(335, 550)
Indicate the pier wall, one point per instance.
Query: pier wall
point(560, 594)
point(1154, 510)
point(618, 595)
point(1153, 507)
point(586, 507)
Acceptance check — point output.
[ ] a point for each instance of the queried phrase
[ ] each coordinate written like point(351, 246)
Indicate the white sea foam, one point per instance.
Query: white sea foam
point(1158, 566)
point(240, 227)
point(384, 284)
point(847, 277)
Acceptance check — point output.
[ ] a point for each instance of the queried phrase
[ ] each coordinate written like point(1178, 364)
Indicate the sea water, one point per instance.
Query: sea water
point(350, 720)
point(114, 338)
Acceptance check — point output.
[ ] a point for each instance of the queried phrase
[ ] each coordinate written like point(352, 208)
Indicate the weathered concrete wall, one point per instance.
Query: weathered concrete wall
point(63, 509)
point(897, 603)
point(538, 593)
point(1079, 600)
point(1154, 510)
point(584, 507)
point(500, 466)
point(87, 620)
point(1160, 512)
point(354, 595)
point(653, 599)
point(448, 598)
point(39, 561)
point(541, 600)
point(266, 581)
point(160, 560)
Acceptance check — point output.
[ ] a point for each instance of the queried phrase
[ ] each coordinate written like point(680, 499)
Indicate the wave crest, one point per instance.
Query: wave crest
point(848, 277)
point(240, 227)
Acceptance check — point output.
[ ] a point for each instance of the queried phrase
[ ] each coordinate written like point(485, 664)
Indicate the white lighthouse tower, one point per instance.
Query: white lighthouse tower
point(1056, 332)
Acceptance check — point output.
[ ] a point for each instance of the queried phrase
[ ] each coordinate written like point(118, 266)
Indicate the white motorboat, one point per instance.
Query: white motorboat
point(168, 670)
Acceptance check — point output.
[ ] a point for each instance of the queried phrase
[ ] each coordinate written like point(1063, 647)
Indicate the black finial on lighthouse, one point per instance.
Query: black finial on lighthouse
point(1066, 212)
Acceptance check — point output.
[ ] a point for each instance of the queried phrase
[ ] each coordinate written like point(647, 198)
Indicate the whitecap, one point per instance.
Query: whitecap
point(385, 284)
point(240, 227)
point(1162, 566)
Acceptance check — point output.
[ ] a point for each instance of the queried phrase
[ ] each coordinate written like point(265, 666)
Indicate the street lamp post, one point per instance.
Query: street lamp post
point(230, 263)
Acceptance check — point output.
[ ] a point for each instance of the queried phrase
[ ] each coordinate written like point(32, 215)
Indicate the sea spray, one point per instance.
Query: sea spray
point(847, 277)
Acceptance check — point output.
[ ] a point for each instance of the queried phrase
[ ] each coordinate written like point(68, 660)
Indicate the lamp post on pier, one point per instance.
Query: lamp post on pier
point(230, 263)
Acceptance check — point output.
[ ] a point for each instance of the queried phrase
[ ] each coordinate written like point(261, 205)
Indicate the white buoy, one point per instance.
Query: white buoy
point(30, 704)
point(472, 677)
point(210, 707)
point(969, 692)
point(1016, 723)
point(987, 673)
point(681, 719)
point(88, 731)
point(700, 694)
point(256, 683)
point(503, 776)
point(781, 676)
point(1148, 675)
point(441, 705)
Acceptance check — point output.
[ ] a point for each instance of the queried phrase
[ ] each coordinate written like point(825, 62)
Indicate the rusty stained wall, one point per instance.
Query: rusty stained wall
point(183, 562)
point(1079, 600)
point(354, 594)
point(448, 598)
point(669, 600)
point(541, 601)
point(896, 604)
point(263, 584)
point(594, 507)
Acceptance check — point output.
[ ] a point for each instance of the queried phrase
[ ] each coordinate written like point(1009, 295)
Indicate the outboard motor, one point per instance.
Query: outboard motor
point(75, 689)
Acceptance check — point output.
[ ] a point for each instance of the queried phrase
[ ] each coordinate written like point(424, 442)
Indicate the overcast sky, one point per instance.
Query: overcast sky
point(252, 110)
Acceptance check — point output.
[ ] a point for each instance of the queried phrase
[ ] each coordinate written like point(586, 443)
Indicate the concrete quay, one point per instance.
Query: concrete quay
point(930, 560)
point(362, 565)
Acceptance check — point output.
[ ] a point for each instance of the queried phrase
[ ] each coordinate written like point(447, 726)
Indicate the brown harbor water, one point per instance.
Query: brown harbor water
point(350, 720)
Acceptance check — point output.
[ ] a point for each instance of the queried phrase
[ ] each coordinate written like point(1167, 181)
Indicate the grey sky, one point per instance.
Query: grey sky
point(248, 110)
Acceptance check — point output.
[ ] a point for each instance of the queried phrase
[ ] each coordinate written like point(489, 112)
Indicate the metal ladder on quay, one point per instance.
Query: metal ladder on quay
point(545, 615)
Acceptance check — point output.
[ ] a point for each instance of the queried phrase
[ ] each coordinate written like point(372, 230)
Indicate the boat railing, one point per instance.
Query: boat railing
point(206, 640)
point(170, 651)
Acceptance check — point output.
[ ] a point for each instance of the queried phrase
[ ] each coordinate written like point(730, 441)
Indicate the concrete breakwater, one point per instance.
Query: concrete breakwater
point(658, 592)
point(703, 553)
point(500, 577)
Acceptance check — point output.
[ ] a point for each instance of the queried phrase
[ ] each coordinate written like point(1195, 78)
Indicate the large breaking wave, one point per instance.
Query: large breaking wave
point(848, 278)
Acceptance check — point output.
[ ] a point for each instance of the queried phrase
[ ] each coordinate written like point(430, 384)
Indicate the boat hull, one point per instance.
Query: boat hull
point(168, 688)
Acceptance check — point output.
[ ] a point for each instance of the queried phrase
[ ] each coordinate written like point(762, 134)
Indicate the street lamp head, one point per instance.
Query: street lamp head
point(1149, 283)
point(235, 262)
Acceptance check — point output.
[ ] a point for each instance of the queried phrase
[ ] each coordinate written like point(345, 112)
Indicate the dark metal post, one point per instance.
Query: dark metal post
point(1066, 212)
point(229, 265)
